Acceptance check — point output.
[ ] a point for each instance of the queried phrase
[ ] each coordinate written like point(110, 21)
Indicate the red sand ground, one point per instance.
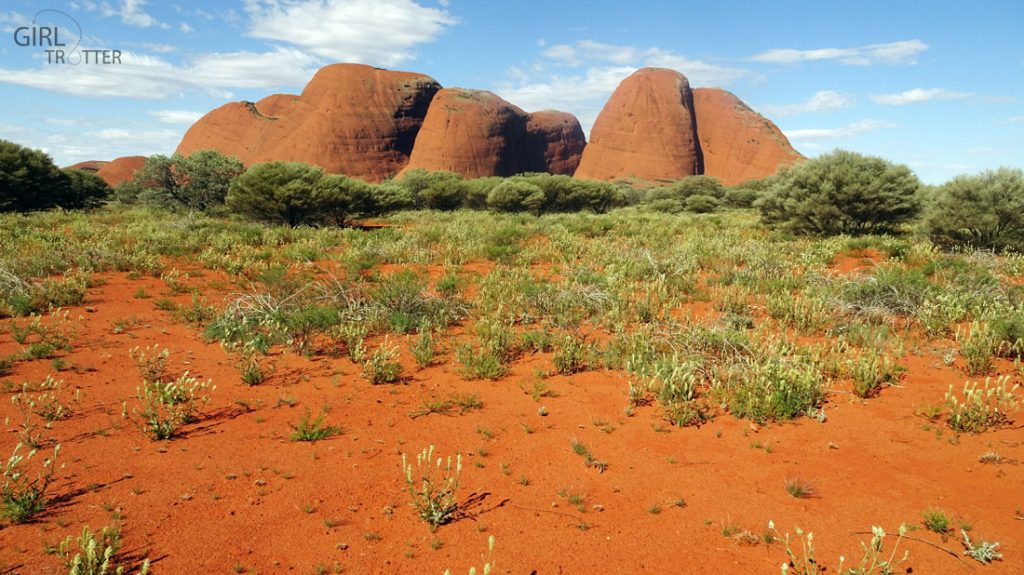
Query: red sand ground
point(234, 491)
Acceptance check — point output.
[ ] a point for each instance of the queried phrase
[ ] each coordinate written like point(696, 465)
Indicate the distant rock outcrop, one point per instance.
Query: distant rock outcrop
point(121, 170)
point(87, 166)
point(350, 118)
point(555, 142)
point(738, 143)
point(647, 131)
point(372, 124)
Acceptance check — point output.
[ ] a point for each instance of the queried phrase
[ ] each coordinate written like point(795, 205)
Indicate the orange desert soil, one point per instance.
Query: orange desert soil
point(234, 491)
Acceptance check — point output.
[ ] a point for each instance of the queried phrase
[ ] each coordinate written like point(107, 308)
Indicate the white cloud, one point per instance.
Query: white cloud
point(148, 77)
point(918, 95)
point(1012, 120)
point(579, 77)
point(822, 101)
point(378, 32)
point(131, 13)
point(176, 116)
point(837, 133)
point(902, 52)
point(185, 28)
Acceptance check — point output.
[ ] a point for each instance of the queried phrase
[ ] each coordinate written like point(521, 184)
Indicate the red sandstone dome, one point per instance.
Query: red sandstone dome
point(647, 130)
point(556, 142)
point(738, 143)
point(473, 133)
point(87, 166)
point(372, 124)
point(350, 118)
point(120, 170)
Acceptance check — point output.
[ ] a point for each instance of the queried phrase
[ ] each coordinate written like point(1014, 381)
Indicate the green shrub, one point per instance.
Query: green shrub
point(776, 389)
point(438, 190)
point(985, 210)
point(85, 190)
point(199, 181)
point(341, 197)
point(935, 519)
point(29, 181)
point(841, 193)
point(513, 195)
point(277, 192)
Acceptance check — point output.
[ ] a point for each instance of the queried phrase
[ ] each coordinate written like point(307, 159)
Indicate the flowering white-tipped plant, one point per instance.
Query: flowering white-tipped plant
point(982, 408)
point(432, 485)
point(23, 495)
point(488, 561)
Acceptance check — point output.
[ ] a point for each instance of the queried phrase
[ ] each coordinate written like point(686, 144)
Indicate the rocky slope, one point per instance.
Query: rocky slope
point(646, 131)
point(738, 143)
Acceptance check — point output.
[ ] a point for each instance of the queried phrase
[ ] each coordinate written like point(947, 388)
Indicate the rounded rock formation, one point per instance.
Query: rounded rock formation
point(555, 142)
point(87, 166)
point(738, 143)
point(350, 118)
point(121, 170)
point(473, 133)
point(647, 130)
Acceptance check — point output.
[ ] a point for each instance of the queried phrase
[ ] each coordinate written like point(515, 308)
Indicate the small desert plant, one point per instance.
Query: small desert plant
point(977, 347)
point(97, 553)
point(570, 355)
point(151, 362)
point(983, 408)
point(799, 488)
point(353, 336)
point(382, 366)
point(983, 552)
point(313, 429)
point(479, 363)
point(935, 519)
point(870, 372)
point(581, 449)
point(23, 495)
point(167, 405)
point(424, 348)
point(488, 561)
point(250, 368)
point(432, 486)
point(873, 561)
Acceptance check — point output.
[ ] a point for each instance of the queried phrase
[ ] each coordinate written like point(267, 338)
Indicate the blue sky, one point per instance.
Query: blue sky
point(937, 86)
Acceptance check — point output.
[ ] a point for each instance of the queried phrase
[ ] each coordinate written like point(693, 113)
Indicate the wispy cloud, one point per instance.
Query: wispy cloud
point(822, 101)
point(579, 77)
point(382, 32)
point(1012, 120)
point(176, 116)
point(902, 52)
point(148, 77)
point(131, 13)
point(918, 95)
point(837, 133)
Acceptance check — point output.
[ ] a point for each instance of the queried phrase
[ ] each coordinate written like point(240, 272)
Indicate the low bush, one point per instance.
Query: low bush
point(841, 193)
point(984, 210)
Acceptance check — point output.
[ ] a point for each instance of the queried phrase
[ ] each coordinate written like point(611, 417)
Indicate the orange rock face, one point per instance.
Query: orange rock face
point(738, 143)
point(350, 118)
point(121, 170)
point(647, 130)
point(87, 166)
point(555, 142)
point(473, 133)
point(476, 134)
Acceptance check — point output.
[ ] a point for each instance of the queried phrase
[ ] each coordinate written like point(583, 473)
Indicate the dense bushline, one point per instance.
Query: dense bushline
point(30, 181)
point(834, 194)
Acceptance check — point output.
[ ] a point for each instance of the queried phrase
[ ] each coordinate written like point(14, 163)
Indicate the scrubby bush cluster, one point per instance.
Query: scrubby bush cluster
point(842, 193)
point(196, 182)
point(30, 181)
